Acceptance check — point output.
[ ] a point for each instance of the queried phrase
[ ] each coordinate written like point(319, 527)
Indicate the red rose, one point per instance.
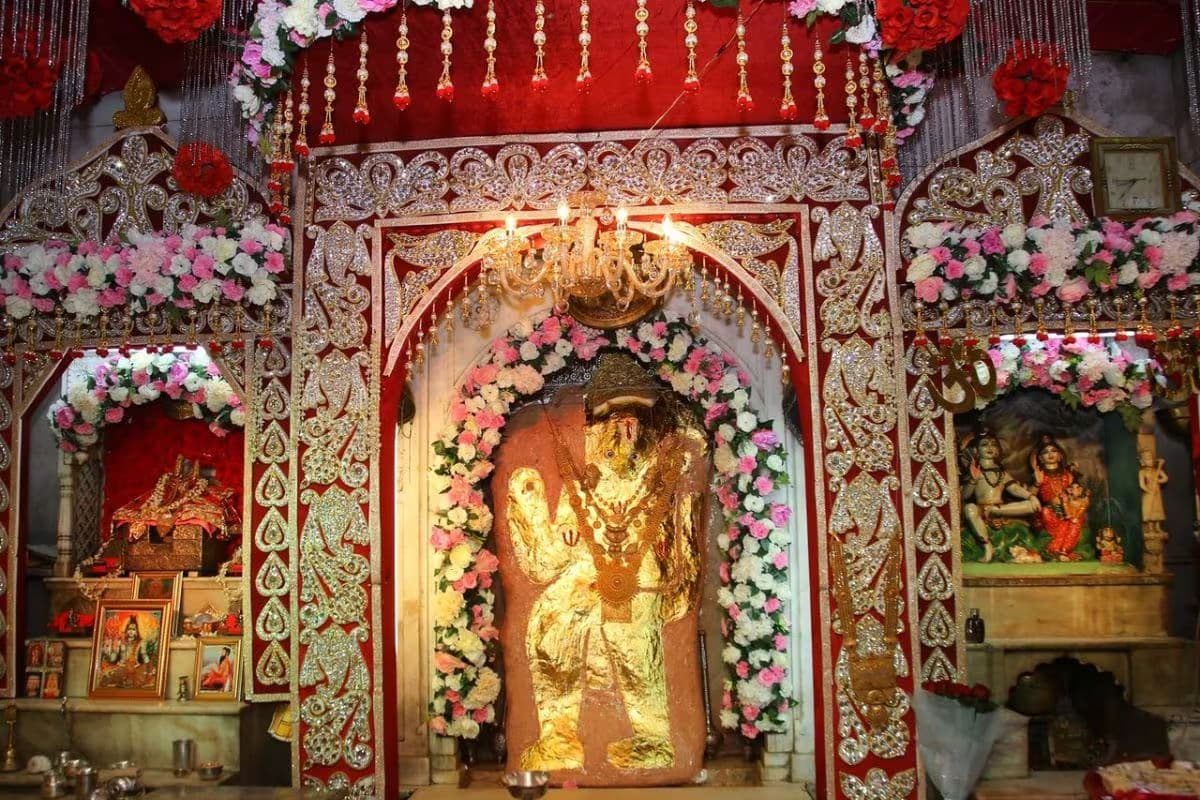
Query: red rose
point(28, 82)
point(178, 21)
point(908, 25)
point(202, 169)
point(1032, 77)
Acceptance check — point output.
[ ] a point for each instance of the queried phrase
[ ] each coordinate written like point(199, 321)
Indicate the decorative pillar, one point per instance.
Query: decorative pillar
point(64, 564)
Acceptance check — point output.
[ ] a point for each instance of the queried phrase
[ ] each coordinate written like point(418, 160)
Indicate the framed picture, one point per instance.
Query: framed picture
point(56, 654)
point(218, 668)
point(129, 648)
point(33, 684)
point(35, 654)
point(53, 685)
point(1135, 176)
point(164, 585)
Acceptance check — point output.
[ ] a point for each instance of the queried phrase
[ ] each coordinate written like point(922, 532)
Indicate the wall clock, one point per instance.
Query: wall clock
point(1134, 176)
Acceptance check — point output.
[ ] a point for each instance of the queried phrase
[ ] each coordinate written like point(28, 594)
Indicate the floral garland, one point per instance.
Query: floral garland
point(197, 266)
point(750, 464)
point(178, 21)
point(1072, 260)
point(283, 28)
point(1081, 372)
point(119, 383)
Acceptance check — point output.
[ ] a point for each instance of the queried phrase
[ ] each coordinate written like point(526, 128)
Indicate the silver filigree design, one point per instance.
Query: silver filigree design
point(123, 187)
point(382, 184)
point(655, 171)
point(796, 168)
point(516, 177)
point(748, 242)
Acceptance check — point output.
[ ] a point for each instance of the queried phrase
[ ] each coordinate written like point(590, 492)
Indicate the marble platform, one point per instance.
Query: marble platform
point(776, 792)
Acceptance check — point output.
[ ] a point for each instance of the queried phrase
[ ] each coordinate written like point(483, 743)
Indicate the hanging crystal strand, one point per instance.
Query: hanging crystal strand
point(1190, 11)
point(328, 135)
point(445, 86)
point(301, 146)
point(853, 135)
point(821, 118)
point(209, 112)
point(540, 81)
point(491, 86)
point(401, 99)
point(643, 73)
point(583, 81)
point(787, 107)
point(745, 102)
point(691, 28)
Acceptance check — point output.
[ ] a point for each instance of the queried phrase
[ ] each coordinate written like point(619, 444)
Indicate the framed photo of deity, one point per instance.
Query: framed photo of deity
point(129, 648)
point(218, 668)
point(160, 585)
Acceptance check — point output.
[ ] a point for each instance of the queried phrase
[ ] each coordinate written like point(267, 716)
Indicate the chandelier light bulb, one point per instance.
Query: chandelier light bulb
point(622, 218)
point(510, 224)
point(564, 213)
point(669, 232)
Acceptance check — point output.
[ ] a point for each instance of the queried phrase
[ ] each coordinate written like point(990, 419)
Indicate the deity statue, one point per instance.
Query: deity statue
point(620, 560)
point(986, 492)
point(181, 497)
point(1064, 499)
point(1151, 477)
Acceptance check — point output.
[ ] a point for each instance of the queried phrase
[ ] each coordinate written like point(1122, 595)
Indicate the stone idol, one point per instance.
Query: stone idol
point(601, 502)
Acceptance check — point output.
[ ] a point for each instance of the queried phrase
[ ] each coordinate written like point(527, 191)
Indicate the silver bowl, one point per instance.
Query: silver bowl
point(527, 785)
point(209, 770)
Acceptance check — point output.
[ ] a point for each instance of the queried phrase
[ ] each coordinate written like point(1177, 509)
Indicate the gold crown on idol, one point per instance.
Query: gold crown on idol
point(620, 383)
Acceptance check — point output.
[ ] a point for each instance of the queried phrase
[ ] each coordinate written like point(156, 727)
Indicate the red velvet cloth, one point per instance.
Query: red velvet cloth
point(615, 101)
point(144, 446)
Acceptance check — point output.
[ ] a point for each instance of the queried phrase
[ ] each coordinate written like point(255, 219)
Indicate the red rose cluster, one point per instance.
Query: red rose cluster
point(202, 169)
point(1032, 77)
point(978, 696)
point(178, 21)
point(908, 25)
point(28, 82)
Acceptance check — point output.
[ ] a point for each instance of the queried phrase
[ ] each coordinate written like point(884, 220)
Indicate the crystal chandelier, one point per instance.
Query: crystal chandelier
point(577, 259)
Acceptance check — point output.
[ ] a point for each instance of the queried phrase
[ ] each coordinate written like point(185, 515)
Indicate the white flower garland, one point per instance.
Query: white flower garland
point(750, 464)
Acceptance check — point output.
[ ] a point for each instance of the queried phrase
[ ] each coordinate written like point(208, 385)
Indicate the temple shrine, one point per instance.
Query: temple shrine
point(762, 399)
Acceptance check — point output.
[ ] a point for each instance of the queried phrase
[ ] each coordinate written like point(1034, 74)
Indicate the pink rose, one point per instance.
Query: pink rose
point(764, 485)
point(929, 290)
point(114, 414)
point(1073, 290)
point(954, 269)
point(743, 670)
point(772, 605)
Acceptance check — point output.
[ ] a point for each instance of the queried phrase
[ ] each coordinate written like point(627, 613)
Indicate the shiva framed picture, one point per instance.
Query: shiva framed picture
point(160, 585)
point(129, 648)
point(218, 671)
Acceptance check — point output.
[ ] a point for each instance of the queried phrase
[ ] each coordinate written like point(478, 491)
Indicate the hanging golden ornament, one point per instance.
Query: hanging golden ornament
point(821, 120)
point(491, 86)
point(362, 114)
point(643, 73)
point(401, 98)
point(745, 102)
point(883, 106)
point(583, 81)
point(1093, 327)
point(327, 135)
point(787, 107)
point(540, 81)
point(1145, 335)
point(866, 120)
point(691, 81)
point(853, 136)
point(445, 86)
point(301, 145)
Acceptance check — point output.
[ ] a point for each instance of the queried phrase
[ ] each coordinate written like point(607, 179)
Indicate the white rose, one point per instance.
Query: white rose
point(148, 392)
point(1127, 273)
point(775, 463)
point(974, 267)
point(747, 421)
point(1019, 260)
point(925, 236)
point(739, 400)
point(529, 351)
point(1013, 235)
point(920, 268)
point(1150, 237)
point(988, 285)
point(118, 394)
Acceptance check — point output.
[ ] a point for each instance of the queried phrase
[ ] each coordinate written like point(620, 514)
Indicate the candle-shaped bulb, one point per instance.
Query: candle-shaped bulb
point(510, 224)
point(668, 229)
point(564, 212)
point(622, 218)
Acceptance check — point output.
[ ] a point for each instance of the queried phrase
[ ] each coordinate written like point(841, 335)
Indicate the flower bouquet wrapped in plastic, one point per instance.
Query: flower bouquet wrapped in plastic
point(956, 727)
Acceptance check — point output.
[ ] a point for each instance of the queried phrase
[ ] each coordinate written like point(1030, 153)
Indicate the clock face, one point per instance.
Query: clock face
point(1134, 180)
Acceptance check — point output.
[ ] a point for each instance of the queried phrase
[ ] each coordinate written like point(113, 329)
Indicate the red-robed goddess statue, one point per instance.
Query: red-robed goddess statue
point(1064, 499)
